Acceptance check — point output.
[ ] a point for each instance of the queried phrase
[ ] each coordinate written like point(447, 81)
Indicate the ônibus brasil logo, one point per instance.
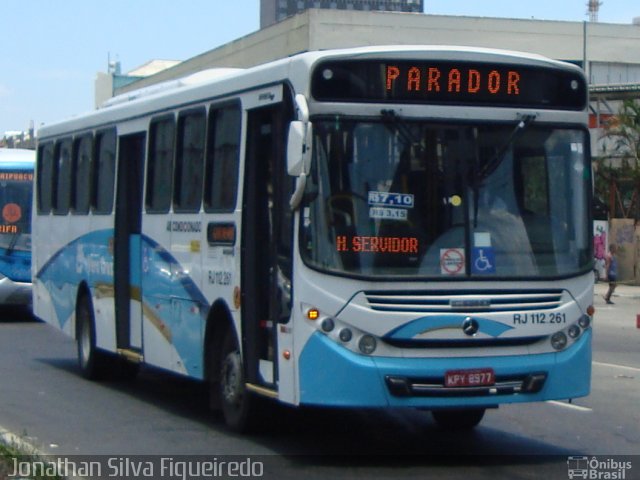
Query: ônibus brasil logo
point(597, 468)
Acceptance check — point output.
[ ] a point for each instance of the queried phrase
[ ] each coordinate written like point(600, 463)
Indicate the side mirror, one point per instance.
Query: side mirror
point(299, 148)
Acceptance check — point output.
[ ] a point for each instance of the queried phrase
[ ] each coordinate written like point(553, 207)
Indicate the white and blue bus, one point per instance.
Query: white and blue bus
point(403, 226)
point(16, 193)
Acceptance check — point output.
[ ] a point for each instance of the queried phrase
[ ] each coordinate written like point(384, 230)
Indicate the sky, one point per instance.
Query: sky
point(53, 49)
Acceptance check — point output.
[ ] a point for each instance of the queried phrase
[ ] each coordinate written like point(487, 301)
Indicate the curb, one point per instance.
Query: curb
point(10, 439)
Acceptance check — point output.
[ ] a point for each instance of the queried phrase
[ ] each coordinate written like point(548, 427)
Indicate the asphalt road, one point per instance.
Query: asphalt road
point(44, 400)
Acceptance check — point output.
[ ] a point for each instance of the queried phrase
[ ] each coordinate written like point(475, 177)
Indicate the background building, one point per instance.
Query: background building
point(19, 139)
point(107, 84)
point(609, 54)
point(272, 11)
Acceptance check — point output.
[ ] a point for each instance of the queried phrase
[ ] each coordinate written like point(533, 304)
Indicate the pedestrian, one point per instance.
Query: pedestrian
point(611, 268)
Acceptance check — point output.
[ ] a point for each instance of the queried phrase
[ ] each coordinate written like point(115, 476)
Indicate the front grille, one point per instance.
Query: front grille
point(451, 301)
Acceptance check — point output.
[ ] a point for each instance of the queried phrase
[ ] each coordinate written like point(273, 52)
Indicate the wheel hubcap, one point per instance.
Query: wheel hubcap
point(85, 343)
point(232, 378)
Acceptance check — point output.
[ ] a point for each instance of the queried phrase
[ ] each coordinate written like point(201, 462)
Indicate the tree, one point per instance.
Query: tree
point(618, 168)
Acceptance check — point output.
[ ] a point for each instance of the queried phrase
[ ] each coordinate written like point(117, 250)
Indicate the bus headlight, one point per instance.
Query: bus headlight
point(584, 321)
point(345, 335)
point(367, 344)
point(558, 340)
point(327, 325)
point(341, 332)
point(574, 331)
point(571, 334)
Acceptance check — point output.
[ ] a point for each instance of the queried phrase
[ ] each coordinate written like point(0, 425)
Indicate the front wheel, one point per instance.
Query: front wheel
point(239, 406)
point(458, 419)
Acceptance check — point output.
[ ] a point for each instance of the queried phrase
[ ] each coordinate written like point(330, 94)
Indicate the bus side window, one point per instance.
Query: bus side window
point(187, 196)
point(160, 165)
point(62, 186)
point(104, 174)
point(82, 164)
point(45, 178)
point(223, 153)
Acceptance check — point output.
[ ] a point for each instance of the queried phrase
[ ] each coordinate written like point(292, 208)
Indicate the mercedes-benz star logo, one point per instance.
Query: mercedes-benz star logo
point(470, 326)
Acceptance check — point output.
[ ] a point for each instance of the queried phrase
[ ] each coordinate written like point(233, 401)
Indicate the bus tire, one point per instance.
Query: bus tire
point(238, 405)
point(90, 359)
point(463, 419)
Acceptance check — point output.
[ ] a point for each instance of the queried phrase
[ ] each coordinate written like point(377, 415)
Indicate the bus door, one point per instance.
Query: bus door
point(127, 245)
point(266, 242)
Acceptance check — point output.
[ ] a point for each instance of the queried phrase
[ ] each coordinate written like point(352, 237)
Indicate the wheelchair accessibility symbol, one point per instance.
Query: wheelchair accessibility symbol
point(483, 260)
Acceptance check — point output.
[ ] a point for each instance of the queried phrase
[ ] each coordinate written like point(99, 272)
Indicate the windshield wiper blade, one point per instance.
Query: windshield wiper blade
point(493, 164)
point(12, 244)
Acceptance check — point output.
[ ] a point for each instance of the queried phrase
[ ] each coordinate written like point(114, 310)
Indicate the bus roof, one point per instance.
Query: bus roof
point(17, 158)
point(212, 84)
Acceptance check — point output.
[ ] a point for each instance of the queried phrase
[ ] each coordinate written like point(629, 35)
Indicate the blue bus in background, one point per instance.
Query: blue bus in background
point(16, 192)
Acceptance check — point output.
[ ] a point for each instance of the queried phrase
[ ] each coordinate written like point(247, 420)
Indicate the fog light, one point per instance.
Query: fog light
point(367, 344)
point(327, 324)
point(584, 321)
point(558, 340)
point(534, 383)
point(574, 331)
point(345, 335)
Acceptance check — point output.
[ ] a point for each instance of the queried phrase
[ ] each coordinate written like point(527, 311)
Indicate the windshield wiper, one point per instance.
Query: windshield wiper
point(492, 165)
point(12, 243)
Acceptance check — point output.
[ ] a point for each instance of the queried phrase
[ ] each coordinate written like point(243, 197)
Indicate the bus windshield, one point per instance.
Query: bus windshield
point(394, 197)
point(15, 207)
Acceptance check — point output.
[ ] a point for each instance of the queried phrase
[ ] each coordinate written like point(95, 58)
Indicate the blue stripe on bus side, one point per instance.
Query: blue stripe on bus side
point(84, 258)
point(177, 303)
point(191, 290)
point(99, 240)
point(431, 323)
point(89, 258)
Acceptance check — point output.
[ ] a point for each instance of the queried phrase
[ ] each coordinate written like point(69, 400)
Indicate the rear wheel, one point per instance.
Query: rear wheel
point(90, 359)
point(458, 419)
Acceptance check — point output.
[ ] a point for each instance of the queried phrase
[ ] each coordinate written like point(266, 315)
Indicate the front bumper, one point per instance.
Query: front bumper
point(334, 376)
point(15, 293)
